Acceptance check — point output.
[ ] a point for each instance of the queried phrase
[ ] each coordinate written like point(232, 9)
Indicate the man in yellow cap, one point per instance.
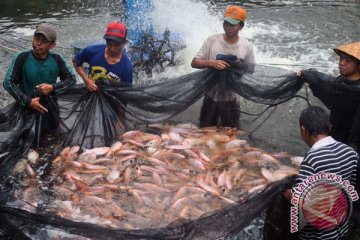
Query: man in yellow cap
point(344, 113)
point(341, 95)
point(349, 62)
point(220, 105)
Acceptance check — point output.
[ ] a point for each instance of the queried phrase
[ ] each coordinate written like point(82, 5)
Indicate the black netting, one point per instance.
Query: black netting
point(81, 121)
point(341, 96)
point(219, 224)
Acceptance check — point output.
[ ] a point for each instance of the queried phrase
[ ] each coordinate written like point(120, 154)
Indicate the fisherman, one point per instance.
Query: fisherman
point(110, 67)
point(322, 211)
point(34, 73)
point(342, 95)
point(106, 61)
point(216, 104)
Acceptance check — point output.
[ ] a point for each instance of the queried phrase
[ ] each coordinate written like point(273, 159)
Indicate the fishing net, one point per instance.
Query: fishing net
point(341, 96)
point(96, 179)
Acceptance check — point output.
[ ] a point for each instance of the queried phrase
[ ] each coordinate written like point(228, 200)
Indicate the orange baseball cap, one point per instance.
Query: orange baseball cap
point(234, 14)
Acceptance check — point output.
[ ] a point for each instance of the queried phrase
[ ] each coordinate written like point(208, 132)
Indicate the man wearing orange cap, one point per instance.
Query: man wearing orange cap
point(224, 105)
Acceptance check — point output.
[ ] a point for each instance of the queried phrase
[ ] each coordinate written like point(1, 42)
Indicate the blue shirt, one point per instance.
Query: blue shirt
point(94, 55)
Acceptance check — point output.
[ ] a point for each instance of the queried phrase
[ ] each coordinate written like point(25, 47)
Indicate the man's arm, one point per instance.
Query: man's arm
point(14, 76)
point(202, 58)
point(305, 171)
point(12, 84)
point(90, 84)
point(250, 61)
point(202, 63)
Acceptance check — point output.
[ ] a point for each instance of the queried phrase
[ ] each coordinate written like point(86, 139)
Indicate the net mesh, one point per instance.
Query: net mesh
point(96, 179)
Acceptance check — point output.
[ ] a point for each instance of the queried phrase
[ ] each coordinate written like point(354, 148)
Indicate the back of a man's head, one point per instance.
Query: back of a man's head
point(315, 121)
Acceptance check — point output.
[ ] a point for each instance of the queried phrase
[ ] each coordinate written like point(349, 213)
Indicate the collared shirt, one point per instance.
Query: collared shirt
point(322, 142)
point(329, 156)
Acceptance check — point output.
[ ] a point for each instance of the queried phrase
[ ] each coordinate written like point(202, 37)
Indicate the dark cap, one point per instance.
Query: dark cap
point(46, 30)
point(116, 31)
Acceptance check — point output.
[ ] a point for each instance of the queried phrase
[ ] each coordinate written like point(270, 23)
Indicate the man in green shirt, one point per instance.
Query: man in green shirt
point(33, 76)
point(38, 69)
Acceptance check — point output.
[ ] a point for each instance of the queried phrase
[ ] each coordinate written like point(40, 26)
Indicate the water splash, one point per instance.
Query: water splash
point(285, 43)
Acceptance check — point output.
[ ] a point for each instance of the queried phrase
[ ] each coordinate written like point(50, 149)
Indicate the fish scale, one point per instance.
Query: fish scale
point(191, 171)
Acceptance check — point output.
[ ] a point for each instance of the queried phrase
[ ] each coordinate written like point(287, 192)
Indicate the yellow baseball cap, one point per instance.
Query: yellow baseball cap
point(352, 49)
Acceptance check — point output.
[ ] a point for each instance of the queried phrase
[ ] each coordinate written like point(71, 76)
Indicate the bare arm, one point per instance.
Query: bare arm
point(36, 105)
point(90, 84)
point(201, 63)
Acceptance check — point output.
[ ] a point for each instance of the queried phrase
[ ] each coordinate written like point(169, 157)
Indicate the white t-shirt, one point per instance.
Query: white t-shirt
point(214, 45)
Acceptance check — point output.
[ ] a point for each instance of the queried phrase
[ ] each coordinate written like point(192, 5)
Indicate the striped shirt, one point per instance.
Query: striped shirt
point(327, 156)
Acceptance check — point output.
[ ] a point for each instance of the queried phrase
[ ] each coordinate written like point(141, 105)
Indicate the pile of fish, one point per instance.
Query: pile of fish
point(150, 180)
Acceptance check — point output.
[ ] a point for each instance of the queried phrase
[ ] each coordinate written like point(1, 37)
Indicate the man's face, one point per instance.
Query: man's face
point(114, 48)
point(41, 45)
point(348, 65)
point(231, 30)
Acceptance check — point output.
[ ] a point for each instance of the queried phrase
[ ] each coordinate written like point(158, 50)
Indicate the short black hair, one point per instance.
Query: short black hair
point(315, 121)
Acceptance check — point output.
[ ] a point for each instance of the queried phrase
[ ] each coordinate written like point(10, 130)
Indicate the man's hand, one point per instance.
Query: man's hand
point(90, 84)
point(287, 194)
point(219, 64)
point(45, 88)
point(35, 104)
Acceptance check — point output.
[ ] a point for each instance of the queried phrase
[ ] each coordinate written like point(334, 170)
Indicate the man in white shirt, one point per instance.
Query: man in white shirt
point(224, 104)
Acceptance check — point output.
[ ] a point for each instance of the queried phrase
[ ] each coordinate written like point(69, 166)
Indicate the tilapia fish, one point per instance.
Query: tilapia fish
point(145, 180)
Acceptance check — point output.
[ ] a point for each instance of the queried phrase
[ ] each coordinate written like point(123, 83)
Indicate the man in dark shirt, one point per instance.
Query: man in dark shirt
point(33, 77)
point(106, 61)
point(109, 68)
point(344, 115)
point(341, 95)
point(38, 69)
